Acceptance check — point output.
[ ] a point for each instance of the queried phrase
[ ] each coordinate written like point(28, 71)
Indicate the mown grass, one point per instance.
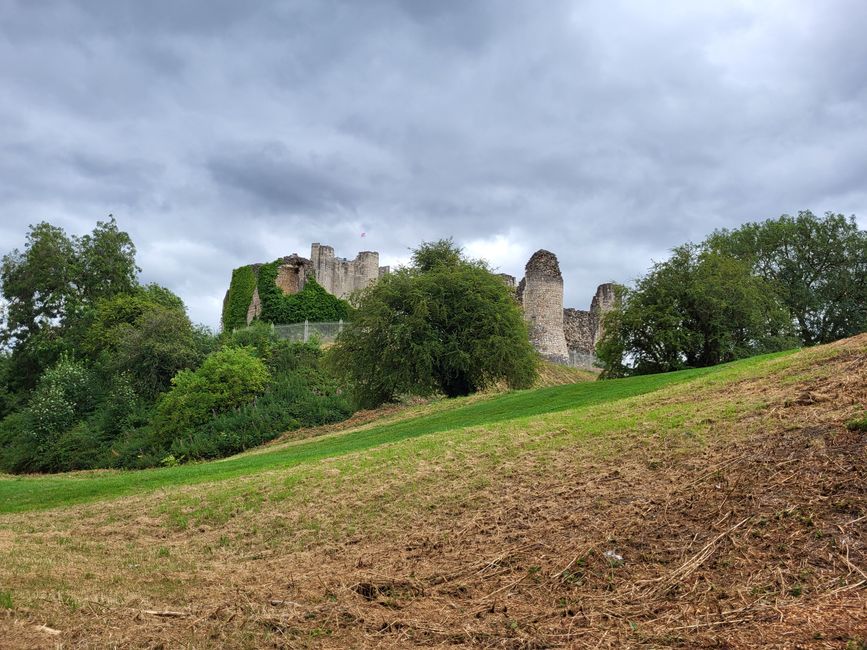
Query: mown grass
point(22, 494)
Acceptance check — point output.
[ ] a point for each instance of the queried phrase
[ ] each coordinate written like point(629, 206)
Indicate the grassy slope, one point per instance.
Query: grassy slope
point(19, 494)
point(487, 531)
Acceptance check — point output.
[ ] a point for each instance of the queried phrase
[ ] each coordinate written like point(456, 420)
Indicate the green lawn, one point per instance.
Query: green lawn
point(20, 494)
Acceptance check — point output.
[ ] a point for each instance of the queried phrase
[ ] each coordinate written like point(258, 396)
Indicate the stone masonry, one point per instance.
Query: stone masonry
point(558, 334)
point(542, 299)
point(341, 277)
point(336, 275)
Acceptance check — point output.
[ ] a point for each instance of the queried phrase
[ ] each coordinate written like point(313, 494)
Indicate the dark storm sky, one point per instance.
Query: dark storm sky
point(223, 132)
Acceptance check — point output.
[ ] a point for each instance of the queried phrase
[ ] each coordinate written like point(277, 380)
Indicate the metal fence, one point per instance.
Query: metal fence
point(583, 360)
point(306, 331)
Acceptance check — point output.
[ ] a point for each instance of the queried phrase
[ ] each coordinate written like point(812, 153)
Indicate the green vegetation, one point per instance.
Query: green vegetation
point(444, 324)
point(239, 297)
point(29, 493)
point(312, 303)
point(762, 287)
point(816, 265)
point(227, 380)
point(101, 372)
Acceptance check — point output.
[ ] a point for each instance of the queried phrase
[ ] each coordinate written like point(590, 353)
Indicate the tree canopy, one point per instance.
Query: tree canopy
point(698, 308)
point(442, 324)
point(816, 265)
point(761, 287)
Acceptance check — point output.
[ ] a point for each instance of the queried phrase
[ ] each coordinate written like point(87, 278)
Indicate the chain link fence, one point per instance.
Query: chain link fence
point(306, 331)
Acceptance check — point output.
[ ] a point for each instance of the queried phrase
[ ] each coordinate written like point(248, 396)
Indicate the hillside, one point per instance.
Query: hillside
point(725, 507)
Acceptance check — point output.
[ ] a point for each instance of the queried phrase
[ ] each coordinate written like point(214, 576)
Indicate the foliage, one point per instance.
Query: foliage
point(449, 326)
point(226, 380)
point(64, 394)
point(578, 403)
point(154, 348)
point(106, 405)
point(238, 298)
point(817, 265)
point(312, 303)
point(699, 308)
point(104, 263)
point(51, 284)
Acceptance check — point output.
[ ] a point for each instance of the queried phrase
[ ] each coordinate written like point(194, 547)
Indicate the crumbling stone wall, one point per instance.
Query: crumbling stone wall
point(578, 328)
point(542, 298)
point(558, 334)
point(603, 301)
point(336, 275)
point(583, 329)
point(292, 273)
point(340, 276)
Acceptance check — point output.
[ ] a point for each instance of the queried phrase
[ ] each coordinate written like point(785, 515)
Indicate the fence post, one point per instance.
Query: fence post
point(306, 329)
point(339, 326)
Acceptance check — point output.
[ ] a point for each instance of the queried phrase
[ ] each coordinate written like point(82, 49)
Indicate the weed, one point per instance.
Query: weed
point(6, 600)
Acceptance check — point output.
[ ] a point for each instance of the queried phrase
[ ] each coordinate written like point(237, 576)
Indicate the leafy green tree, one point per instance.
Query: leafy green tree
point(38, 282)
point(159, 344)
point(817, 265)
point(443, 324)
point(50, 286)
point(699, 308)
point(228, 379)
point(104, 263)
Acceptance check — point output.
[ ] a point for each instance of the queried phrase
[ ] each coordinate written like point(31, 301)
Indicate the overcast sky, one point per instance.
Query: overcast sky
point(221, 132)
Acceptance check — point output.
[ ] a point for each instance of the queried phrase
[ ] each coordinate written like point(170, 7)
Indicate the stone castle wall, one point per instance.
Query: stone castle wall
point(336, 275)
point(562, 335)
point(542, 299)
point(341, 277)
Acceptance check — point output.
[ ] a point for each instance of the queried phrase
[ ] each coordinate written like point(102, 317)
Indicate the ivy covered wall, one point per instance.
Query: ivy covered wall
point(239, 297)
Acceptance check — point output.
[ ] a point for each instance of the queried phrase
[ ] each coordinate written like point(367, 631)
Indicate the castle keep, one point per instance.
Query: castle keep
point(337, 275)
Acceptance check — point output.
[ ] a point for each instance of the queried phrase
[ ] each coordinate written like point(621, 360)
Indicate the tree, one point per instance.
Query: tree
point(50, 286)
point(699, 308)
point(443, 324)
point(160, 343)
point(817, 265)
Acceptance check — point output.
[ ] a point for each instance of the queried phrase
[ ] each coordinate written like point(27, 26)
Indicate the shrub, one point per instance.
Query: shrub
point(64, 394)
point(226, 380)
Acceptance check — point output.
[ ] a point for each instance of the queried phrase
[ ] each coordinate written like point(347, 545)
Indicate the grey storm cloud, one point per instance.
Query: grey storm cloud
point(221, 133)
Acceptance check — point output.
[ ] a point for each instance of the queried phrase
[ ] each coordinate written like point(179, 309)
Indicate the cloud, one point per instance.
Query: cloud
point(222, 133)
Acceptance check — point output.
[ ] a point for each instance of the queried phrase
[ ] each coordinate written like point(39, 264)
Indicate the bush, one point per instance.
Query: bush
point(303, 398)
point(64, 394)
point(226, 380)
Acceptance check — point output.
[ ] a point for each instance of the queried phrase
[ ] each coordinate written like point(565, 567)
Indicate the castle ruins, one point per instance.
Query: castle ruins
point(337, 275)
point(567, 336)
point(561, 335)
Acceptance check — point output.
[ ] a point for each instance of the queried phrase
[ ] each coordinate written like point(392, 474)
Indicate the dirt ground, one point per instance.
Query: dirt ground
point(757, 538)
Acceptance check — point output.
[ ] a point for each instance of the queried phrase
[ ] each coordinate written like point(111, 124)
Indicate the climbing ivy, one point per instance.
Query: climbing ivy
point(312, 303)
point(239, 298)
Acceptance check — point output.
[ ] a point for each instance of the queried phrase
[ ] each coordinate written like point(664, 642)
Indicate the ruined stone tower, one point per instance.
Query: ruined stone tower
point(603, 302)
point(542, 298)
point(340, 277)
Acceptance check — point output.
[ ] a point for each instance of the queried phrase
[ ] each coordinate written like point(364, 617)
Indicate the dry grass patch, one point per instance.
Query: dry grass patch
point(728, 511)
